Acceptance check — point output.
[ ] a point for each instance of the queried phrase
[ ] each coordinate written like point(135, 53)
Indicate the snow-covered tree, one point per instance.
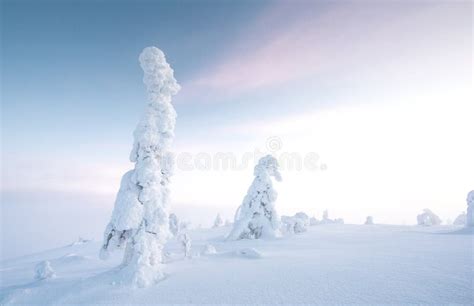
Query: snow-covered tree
point(218, 222)
point(43, 270)
point(140, 217)
point(369, 220)
point(186, 244)
point(428, 218)
point(470, 209)
point(327, 220)
point(313, 221)
point(461, 219)
point(297, 224)
point(174, 224)
point(326, 215)
point(256, 217)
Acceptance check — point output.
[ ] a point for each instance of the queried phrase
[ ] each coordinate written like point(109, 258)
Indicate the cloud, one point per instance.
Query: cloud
point(345, 41)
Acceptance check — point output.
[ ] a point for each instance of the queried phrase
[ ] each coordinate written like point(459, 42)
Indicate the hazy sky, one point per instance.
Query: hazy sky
point(381, 91)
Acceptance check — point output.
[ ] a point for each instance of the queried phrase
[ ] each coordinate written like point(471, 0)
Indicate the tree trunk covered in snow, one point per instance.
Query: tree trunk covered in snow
point(140, 217)
point(257, 217)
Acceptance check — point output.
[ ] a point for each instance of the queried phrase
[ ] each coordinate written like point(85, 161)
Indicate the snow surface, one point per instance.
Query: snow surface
point(328, 264)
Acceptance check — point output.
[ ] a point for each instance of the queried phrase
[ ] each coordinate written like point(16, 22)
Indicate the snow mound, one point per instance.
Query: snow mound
point(79, 241)
point(43, 270)
point(71, 258)
point(209, 249)
point(250, 253)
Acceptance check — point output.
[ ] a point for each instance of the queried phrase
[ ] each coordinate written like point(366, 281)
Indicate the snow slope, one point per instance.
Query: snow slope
point(329, 264)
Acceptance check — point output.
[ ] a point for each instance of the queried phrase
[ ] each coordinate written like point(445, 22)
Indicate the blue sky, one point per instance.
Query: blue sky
point(381, 91)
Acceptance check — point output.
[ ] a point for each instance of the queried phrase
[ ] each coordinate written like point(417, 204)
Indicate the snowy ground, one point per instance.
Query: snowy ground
point(330, 264)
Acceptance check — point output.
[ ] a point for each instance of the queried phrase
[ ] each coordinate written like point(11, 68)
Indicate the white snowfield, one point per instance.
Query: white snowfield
point(328, 264)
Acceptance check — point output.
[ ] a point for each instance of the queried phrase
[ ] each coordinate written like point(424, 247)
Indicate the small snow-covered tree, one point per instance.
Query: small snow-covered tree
point(313, 221)
point(209, 249)
point(369, 220)
point(257, 217)
point(461, 219)
point(43, 270)
point(326, 215)
point(327, 220)
point(140, 217)
point(186, 244)
point(297, 224)
point(428, 218)
point(174, 224)
point(218, 222)
point(470, 209)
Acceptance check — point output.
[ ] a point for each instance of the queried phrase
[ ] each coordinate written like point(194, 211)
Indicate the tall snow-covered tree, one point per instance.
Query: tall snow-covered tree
point(139, 221)
point(218, 222)
point(256, 217)
point(470, 209)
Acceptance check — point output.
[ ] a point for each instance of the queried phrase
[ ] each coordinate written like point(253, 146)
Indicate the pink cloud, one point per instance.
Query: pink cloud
point(297, 42)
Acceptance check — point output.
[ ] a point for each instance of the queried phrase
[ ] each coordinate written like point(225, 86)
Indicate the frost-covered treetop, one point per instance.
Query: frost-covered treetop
point(470, 198)
point(155, 130)
point(267, 165)
point(158, 77)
